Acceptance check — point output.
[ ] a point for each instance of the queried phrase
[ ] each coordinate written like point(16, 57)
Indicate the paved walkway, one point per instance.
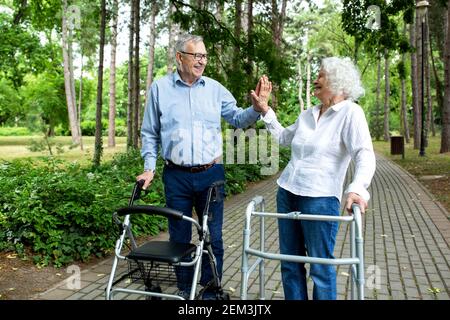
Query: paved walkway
point(406, 234)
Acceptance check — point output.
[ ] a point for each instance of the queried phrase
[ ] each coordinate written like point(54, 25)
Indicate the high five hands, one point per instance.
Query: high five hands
point(260, 96)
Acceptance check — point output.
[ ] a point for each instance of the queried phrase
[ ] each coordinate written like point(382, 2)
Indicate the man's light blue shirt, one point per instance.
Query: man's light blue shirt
point(185, 120)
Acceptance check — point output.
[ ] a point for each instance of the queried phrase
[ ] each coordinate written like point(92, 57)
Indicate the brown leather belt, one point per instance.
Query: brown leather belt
point(193, 169)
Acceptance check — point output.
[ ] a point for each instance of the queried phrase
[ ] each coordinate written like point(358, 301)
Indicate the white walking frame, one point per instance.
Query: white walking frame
point(356, 260)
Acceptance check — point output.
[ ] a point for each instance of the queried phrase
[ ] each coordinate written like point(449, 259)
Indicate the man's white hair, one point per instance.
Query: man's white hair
point(343, 77)
point(183, 39)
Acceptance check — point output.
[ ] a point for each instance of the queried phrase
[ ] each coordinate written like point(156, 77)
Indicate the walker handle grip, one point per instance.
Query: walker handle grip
point(151, 210)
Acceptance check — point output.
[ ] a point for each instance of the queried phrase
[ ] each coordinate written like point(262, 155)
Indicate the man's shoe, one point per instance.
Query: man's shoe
point(209, 296)
point(183, 294)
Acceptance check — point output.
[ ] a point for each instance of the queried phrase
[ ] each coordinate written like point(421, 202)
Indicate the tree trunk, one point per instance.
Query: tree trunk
point(277, 34)
point(300, 86)
point(80, 97)
point(386, 96)
point(427, 82)
point(445, 135)
point(98, 115)
point(151, 45)
point(308, 80)
point(130, 106)
point(415, 82)
point(439, 89)
point(377, 101)
point(137, 87)
point(70, 98)
point(171, 46)
point(237, 33)
point(404, 112)
point(250, 43)
point(220, 16)
point(112, 78)
point(278, 22)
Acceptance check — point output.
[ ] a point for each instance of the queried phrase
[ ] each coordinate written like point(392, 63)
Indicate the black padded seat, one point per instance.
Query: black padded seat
point(163, 251)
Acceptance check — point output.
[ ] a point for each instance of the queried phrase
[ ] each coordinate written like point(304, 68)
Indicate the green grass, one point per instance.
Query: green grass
point(12, 147)
point(432, 164)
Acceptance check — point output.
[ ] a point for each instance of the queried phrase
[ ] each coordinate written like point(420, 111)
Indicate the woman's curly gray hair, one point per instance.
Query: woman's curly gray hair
point(343, 77)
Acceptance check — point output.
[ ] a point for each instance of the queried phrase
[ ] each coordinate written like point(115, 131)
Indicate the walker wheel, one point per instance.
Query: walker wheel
point(223, 296)
point(156, 289)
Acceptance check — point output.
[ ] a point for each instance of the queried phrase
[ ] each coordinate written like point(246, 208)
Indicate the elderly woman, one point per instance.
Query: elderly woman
point(323, 140)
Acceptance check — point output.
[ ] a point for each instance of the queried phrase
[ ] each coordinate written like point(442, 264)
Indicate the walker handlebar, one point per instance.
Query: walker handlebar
point(151, 210)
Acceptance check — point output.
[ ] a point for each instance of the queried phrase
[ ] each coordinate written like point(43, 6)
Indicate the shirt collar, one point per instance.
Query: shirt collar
point(338, 106)
point(177, 78)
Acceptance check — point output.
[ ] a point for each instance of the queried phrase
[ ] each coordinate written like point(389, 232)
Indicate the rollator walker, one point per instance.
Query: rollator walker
point(356, 260)
point(158, 265)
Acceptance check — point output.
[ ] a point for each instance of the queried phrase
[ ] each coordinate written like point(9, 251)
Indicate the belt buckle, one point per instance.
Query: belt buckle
point(196, 169)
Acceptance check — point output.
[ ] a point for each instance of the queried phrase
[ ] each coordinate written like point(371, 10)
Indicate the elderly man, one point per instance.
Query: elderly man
point(183, 115)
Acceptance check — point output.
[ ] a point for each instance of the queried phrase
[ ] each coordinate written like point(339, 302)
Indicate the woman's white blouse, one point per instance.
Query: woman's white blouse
point(322, 150)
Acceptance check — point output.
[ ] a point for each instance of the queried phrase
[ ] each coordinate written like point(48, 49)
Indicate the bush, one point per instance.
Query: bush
point(63, 211)
point(14, 131)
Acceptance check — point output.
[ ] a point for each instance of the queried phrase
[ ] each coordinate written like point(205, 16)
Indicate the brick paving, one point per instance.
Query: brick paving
point(406, 246)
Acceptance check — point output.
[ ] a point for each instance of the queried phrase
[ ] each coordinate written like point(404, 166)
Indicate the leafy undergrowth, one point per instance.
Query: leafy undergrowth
point(62, 211)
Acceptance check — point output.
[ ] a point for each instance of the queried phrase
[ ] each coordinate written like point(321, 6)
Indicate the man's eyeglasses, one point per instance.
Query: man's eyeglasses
point(197, 56)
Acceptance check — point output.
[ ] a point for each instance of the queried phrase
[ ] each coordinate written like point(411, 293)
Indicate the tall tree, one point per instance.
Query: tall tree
point(250, 41)
point(112, 77)
point(387, 93)
point(430, 119)
point(151, 45)
point(98, 115)
point(415, 85)
point(402, 74)
point(308, 79)
point(80, 99)
point(69, 81)
point(130, 105)
point(445, 136)
point(300, 85)
point(278, 19)
point(377, 101)
point(137, 87)
point(173, 30)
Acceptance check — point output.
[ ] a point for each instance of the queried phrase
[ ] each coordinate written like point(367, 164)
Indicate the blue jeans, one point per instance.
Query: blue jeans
point(185, 191)
point(311, 238)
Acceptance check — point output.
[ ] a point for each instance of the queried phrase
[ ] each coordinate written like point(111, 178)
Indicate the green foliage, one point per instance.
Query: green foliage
point(88, 128)
point(228, 55)
point(10, 103)
point(63, 211)
point(44, 102)
point(47, 144)
point(21, 51)
point(14, 131)
point(355, 15)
